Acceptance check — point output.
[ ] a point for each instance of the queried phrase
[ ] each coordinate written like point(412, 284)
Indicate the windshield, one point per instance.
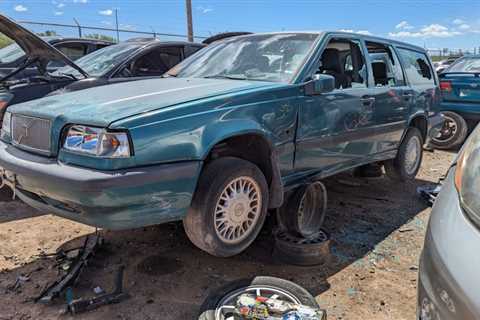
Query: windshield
point(274, 58)
point(467, 64)
point(101, 61)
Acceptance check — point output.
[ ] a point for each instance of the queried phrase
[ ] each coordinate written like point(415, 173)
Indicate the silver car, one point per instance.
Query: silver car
point(449, 277)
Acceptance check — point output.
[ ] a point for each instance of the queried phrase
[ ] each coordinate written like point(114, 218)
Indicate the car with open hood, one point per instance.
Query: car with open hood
point(126, 61)
point(12, 55)
point(220, 139)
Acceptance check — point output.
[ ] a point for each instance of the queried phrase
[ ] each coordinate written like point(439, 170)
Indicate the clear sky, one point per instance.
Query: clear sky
point(434, 24)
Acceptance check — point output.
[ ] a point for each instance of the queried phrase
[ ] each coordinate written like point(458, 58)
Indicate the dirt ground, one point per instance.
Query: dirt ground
point(377, 228)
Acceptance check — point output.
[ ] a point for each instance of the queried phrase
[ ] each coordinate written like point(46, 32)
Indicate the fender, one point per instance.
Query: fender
point(219, 132)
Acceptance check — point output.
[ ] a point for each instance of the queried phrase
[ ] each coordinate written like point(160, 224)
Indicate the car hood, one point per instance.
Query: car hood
point(35, 48)
point(103, 105)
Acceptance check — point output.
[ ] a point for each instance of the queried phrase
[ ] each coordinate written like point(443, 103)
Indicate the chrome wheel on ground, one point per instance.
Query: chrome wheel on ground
point(237, 210)
point(453, 133)
point(220, 304)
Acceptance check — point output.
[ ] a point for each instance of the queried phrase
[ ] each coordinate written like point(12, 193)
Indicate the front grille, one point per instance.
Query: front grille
point(31, 133)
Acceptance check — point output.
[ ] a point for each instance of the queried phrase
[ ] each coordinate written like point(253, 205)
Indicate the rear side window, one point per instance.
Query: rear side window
point(385, 65)
point(469, 64)
point(189, 50)
point(417, 68)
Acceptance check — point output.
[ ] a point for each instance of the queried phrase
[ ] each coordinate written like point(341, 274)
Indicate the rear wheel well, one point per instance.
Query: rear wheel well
point(421, 124)
point(257, 150)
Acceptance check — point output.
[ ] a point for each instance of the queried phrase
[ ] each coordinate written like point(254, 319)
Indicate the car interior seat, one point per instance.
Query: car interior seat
point(380, 73)
point(331, 65)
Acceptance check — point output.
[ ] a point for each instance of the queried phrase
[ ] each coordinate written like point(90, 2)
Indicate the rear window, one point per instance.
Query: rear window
point(417, 67)
point(468, 64)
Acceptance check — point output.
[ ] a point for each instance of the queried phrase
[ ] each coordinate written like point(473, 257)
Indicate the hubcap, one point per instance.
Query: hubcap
point(237, 210)
point(412, 157)
point(225, 309)
point(448, 130)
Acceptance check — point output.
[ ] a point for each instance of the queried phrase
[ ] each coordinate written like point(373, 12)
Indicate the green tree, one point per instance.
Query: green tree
point(48, 33)
point(4, 40)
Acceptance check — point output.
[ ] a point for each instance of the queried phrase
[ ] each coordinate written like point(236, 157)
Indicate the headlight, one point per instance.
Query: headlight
point(467, 176)
point(7, 121)
point(97, 142)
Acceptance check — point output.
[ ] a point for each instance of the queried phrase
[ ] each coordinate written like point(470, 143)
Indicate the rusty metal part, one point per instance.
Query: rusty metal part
point(74, 271)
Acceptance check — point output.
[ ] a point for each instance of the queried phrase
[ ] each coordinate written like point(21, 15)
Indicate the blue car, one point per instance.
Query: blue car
point(460, 86)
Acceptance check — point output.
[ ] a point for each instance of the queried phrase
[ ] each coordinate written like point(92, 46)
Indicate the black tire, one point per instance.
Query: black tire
point(310, 199)
point(207, 310)
point(199, 222)
point(447, 139)
point(301, 251)
point(396, 169)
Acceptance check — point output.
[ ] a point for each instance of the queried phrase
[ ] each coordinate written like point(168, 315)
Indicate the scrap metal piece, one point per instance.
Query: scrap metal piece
point(429, 193)
point(74, 270)
point(82, 305)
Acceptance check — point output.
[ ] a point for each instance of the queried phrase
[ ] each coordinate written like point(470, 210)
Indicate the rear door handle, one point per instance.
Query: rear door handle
point(368, 101)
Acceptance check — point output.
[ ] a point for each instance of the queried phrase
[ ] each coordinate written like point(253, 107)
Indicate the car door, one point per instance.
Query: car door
point(392, 96)
point(421, 80)
point(335, 129)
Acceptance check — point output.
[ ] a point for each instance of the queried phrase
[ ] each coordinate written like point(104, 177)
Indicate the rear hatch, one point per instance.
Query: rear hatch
point(461, 82)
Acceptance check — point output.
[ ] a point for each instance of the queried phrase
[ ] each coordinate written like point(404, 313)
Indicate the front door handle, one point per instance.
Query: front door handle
point(368, 101)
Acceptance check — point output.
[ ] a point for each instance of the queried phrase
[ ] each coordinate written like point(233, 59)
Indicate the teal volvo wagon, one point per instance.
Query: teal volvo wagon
point(219, 139)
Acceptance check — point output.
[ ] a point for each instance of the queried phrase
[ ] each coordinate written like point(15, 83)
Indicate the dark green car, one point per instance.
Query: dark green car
point(224, 134)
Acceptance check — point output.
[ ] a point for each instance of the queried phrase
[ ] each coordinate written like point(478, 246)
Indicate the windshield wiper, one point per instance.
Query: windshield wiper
point(224, 76)
point(69, 75)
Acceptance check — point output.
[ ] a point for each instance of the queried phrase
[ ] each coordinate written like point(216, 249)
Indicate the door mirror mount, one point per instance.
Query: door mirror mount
point(320, 83)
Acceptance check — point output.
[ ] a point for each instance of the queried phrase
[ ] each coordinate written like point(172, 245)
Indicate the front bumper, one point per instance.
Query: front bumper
point(118, 199)
point(449, 275)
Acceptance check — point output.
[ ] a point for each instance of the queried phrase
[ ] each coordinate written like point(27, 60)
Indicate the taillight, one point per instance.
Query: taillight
point(446, 86)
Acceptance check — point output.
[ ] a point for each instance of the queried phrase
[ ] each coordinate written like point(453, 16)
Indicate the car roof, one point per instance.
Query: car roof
point(55, 39)
point(358, 35)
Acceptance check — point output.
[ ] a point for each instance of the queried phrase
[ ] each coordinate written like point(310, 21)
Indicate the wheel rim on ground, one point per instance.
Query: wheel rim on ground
point(448, 130)
point(412, 156)
point(311, 210)
point(226, 307)
point(237, 210)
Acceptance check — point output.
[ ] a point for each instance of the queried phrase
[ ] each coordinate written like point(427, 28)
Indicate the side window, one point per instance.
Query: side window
point(189, 50)
point(385, 65)
point(417, 68)
point(154, 63)
point(343, 59)
point(72, 50)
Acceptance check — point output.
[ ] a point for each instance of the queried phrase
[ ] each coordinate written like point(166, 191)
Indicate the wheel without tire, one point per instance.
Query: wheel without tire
point(219, 305)
point(305, 210)
point(406, 164)
point(291, 249)
point(229, 207)
point(453, 133)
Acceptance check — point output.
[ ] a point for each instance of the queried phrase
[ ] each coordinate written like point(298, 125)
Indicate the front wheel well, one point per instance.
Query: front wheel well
point(421, 124)
point(257, 150)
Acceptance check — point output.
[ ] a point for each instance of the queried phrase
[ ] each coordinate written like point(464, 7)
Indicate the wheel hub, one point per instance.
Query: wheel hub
point(237, 210)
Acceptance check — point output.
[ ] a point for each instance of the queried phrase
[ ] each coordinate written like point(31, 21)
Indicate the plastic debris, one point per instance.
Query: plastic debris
point(98, 290)
point(249, 306)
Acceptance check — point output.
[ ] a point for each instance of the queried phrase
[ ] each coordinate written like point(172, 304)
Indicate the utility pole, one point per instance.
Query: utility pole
point(116, 23)
point(79, 28)
point(189, 20)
